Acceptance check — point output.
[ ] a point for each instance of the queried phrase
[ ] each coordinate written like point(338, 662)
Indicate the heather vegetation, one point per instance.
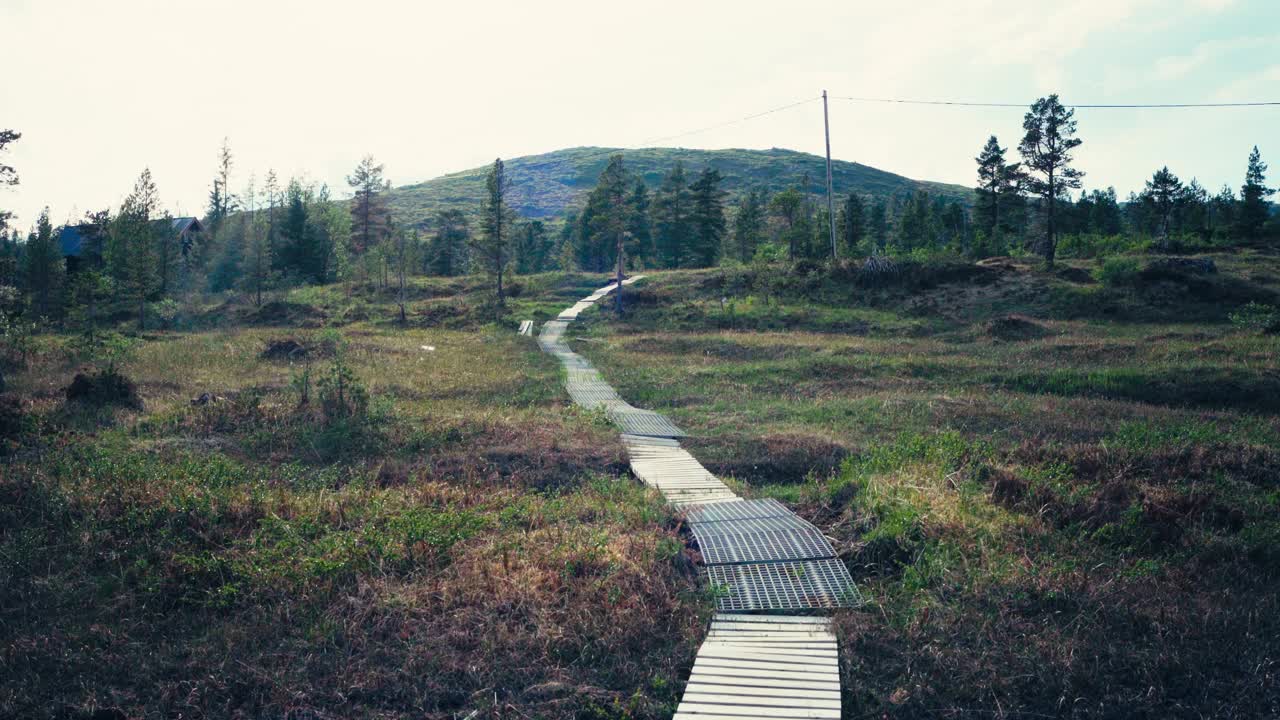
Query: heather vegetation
point(1059, 493)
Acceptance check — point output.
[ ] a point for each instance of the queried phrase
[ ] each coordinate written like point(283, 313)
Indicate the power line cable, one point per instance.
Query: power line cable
point(1101, 106)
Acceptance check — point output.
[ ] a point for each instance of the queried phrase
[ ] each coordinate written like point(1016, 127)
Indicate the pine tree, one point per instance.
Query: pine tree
point(493, 246)
point(1163, 194)
point(1222, 212)
point(43, 270)
point(448, 251)
point(996, 180)
point(749, 224)
point(671, 210)
point(788, 207)
point(369, 215)
point(1104, 212)
point(707, 219)
point(851, 224)
point(1046, 150)
point(1253, 210)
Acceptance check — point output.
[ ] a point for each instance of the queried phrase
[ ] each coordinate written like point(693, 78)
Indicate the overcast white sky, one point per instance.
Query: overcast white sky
point(102, 89)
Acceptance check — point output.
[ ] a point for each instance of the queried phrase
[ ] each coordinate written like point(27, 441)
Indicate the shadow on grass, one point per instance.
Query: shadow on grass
point(1205, 387)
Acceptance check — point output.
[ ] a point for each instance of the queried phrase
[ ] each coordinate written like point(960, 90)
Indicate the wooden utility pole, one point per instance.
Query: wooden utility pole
point(831, 213)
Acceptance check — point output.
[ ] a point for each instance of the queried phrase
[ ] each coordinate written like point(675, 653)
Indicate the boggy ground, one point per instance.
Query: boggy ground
point(452, 537)
point(1067, 512)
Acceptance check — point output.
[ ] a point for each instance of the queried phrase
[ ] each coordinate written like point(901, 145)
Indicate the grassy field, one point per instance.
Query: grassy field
point(1068, 512)
point(1060, 496)
point(462, 540)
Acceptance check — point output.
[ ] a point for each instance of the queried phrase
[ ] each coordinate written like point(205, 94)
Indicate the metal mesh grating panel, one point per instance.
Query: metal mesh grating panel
point(643, 441)
point(742, 511)
point(635, 421)
point(751, 525)
point(768, 546)
point(593, 395)
point(783, 586)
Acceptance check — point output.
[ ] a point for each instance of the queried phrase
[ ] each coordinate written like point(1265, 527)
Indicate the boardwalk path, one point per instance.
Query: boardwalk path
point(758, 556)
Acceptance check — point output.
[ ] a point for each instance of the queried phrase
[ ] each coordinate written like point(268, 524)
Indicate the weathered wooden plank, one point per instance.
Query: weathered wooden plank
point(751, 711)
point(784, 701)
point(704, 687)
point(821, 670)
point(732, 650)
point(712, 677)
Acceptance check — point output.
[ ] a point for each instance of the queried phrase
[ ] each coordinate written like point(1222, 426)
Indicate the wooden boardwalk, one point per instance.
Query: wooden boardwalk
point(757, 555)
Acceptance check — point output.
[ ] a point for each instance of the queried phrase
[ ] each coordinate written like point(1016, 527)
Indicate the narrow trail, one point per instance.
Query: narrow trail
point(757, 555)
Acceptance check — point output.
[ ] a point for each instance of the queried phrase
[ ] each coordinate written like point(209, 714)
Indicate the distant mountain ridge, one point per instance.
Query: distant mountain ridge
point(544, 186)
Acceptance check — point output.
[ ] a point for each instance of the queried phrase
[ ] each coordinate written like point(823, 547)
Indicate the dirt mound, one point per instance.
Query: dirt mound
point(1014, 328)
point(1180, 266)
point(285, 350)
point(1080, 276)
point(104, 388)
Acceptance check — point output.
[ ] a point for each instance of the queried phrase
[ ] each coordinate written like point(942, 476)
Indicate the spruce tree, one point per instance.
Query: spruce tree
point(256, 274)
point(132, 246)
point(851, 223)
point(671, 210)
point(533, 247)
point(996, 180)
point(878, 226)
point(493, 246)
point(448, 249)
point(749, 224)
point(607, 216)
point(1253, 210)
point(640, 240)
point(1046, 150)
point(707, 219)
point(301, 248)
point(43, 270)
point(370, 217)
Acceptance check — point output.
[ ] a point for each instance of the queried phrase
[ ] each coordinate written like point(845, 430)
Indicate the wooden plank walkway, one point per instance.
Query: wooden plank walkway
point(757, 555)
point(757, 666)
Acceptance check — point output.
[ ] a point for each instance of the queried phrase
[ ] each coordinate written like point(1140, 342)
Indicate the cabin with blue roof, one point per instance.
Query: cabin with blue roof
point(82, 244)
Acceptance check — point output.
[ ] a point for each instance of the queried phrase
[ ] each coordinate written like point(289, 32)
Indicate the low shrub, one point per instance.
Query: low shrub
point(1256, 317)
point(1117, 271)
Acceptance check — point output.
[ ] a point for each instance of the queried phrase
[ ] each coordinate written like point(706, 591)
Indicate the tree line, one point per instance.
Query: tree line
point(271, 234)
